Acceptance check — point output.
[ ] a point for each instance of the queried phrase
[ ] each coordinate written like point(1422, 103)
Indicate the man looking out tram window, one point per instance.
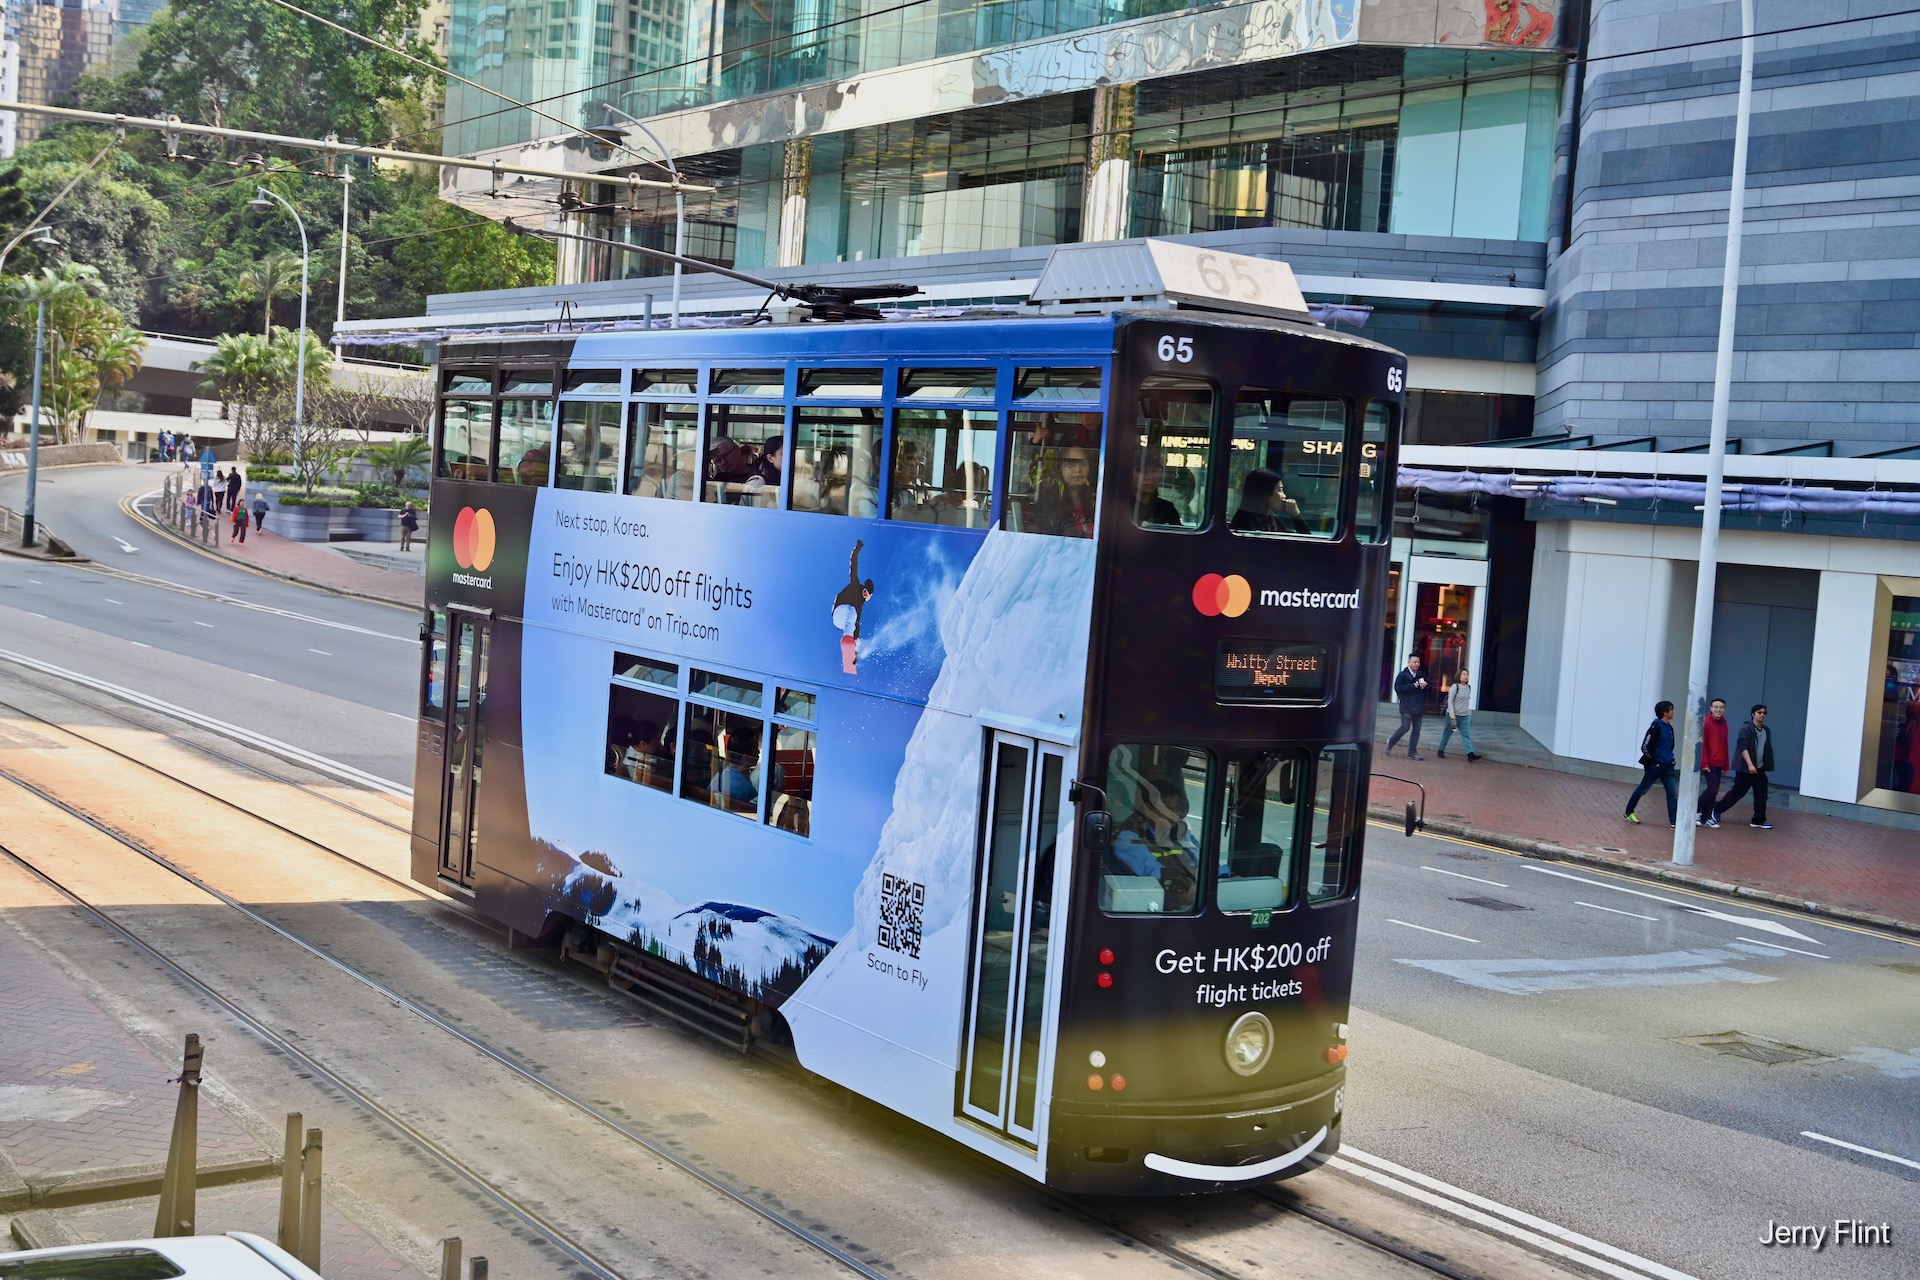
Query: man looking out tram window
point(1149, 508)
point(1155, 842)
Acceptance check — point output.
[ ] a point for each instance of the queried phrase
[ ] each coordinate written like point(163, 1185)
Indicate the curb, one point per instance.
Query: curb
point(22, 553)
point(1547, 852)
point(126, 505)
point(132, 1181)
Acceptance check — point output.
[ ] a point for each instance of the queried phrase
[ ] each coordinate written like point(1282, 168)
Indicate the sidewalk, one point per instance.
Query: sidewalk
point(1831, 865)
point(375, 570)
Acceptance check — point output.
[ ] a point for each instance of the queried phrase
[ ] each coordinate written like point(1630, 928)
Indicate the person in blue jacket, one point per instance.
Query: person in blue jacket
point(1656, 763)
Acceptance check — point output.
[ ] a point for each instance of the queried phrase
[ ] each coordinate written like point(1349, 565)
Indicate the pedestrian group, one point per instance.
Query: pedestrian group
point(1750, 761)
point(1410, 691)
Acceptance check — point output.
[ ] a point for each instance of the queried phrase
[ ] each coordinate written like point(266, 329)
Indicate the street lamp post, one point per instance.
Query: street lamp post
point(340, 308)
point(679, 200)
point(43, 238)
point(263, 200)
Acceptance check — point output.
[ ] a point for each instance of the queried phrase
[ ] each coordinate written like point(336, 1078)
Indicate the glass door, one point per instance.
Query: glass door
point(1013, 925)
point(1442, 629)
point(466, 732)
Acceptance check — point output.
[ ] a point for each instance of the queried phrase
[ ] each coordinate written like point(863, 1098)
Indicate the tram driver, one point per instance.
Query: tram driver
point(1155, 843)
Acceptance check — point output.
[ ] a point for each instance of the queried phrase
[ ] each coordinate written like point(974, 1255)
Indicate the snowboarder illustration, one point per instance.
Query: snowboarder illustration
point(847, 607)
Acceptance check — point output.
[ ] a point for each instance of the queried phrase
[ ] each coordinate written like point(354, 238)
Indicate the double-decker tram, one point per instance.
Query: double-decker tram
point(976, 707)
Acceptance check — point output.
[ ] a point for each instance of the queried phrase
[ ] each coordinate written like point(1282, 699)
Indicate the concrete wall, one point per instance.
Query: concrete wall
point(1830, 294)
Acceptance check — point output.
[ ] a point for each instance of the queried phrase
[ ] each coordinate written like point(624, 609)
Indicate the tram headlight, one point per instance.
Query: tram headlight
point(1249, 1043)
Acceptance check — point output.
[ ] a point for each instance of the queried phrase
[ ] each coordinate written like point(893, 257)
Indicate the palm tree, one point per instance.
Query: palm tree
point(273, 277)
point(240, 367)
point(76, 319)
point(400, 457)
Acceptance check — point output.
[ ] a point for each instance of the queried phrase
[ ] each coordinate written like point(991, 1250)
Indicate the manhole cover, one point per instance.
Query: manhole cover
point(1492, 904)
point(1738, 1044)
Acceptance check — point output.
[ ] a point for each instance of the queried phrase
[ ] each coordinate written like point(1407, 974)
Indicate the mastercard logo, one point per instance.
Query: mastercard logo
point(473, 538)
point(1219, 597)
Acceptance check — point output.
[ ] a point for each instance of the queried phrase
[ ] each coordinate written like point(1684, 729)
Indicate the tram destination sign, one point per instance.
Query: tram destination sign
point(1280, 672)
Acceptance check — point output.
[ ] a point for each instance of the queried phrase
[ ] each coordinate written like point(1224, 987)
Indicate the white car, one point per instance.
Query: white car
point(234, 1256)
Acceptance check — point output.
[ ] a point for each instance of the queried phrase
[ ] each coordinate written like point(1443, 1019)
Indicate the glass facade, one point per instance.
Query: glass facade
point(1897, 759)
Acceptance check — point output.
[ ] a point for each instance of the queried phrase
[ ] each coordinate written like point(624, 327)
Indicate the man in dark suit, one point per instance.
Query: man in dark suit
point(1410, 689)
point(1753, 761)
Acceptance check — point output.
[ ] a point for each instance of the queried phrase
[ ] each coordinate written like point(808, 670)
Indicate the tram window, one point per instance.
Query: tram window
point(1287, 464)
point(526, 445)
point(1157, 795)
point(1056, 384)
point(1371, 519)
point(469, 383)
point(766, 383)
point(790, 785)
point(793, 704)
point(948, 384)
point(1053, 473)
point(434, 696)
point(663, 451)
point(1170, 471)
point(666, 382)
point(834, 468)
point(840, 384)
point(533, 382)
point(746, 449)
point(1259, 831)
point(1336, 811)
point(942, 467)
point(662, 675)
point(722, 759)
point(466, 439)
point(641, 729)
point(707, 684)
point(589, 446)
point(593, 382)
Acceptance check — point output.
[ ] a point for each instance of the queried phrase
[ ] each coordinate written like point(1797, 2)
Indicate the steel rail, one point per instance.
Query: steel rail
point(655, 1149)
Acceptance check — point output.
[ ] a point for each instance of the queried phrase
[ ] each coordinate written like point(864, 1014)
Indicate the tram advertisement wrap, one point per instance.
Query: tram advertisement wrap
point(898, 637)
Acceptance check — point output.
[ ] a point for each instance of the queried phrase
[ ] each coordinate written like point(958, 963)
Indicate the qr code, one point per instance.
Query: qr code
point(903, 912)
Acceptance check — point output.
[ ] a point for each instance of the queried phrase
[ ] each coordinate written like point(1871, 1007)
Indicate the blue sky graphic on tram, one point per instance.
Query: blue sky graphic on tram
point(963, 621)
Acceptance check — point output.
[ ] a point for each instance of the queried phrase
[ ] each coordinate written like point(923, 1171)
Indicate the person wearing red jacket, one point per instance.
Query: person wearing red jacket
point(1713, 761)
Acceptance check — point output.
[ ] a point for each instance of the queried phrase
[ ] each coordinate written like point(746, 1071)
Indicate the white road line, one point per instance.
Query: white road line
point(397, 716)
point(322, 652)
point(198, 623)
point(136, 644)
point(1441, 871)
point(31, 614)
point(1551, 1236)
point(257, 676)
point(1442, 932)
point(1777, 946)
point(163, 585)
point(36, 582)
point(1865, 1151)
point(111, 600)
point(1615, 910)
point(232, 732)
point(1752, 922)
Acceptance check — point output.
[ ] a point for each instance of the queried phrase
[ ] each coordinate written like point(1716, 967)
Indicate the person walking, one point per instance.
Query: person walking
point(1713, 761)
point(259, 510)
point(239, 519)
point(219, 490)
point(166, 445)
point(1753, 761)
point(1656, 763)
point(234, 484)
point(1410, 689)
point(1459, 716)
point(409, 525)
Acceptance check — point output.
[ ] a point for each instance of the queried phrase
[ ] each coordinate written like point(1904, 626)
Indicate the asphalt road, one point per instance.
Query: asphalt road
point(1640, 1063)
point(327, 673)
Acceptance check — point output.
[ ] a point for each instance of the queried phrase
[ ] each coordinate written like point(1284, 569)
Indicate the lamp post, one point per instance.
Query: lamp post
point(679, 200)
point(264, 200)
point(340, 308)
point(44, 239)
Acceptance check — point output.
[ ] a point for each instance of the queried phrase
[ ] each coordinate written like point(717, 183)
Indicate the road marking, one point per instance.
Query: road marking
point(31, 614)
point(1440, 871)
point(198, 623)
point(125, 546)
point(257, 676)
point(1442, 932)
point(1781, 946)
point(397, 716)
point(1752, 922)
point(1616, 911)
point(136, 644)
point(111, 600)
point(36, 582)
point(1518, 1224)
point(322, 652)
point(1865, 1151)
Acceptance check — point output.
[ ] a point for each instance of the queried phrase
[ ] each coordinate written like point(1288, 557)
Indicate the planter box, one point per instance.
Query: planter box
point(300, 524)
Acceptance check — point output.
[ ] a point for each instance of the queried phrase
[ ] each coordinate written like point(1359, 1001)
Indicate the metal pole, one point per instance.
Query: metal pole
point(33, 436)
point(1716, 459)
point(175, 1214)
point(679, 205)
point(310, 1201)
point(299, 347)
point(289, 1236)
point(450, 1258)
point(340, 309)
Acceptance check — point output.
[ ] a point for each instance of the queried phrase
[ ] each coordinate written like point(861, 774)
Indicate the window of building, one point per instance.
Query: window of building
point(589, 446)
point(942, 467)
point(526, 444)
point(1053, 473)
point(1157, 796)
point(1286, 464)
point(663, 450)
point(1170, 469)
point(836, 460)
point(1370, 523)
point(1897, 762)
point(1259, 830)
point(1337, 801)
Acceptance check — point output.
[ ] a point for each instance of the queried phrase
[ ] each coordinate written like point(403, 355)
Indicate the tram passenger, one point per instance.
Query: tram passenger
point(1063, 500)
point(734, 785)
point(1265, 506)
point(1149, 508)
point(763, 482)
point(1155, 842)
point(728, 467)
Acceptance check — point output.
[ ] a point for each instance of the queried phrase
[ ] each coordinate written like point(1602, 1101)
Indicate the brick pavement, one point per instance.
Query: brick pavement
point(77, 1093)
point(1839, 864)
point(346, 1252)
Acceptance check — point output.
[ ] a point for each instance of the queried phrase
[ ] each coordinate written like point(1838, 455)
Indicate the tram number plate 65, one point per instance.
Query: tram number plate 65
point(1176, 350)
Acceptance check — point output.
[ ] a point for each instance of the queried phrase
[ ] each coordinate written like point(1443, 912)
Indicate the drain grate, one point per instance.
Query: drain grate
point(1738, 1044)
point(1492, 904)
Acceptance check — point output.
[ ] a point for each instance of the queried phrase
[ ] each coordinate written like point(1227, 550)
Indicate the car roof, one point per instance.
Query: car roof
point(238, 1255)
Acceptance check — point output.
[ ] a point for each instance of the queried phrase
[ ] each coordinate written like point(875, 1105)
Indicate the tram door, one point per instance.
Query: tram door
point(466, 727)
point(1013, 924)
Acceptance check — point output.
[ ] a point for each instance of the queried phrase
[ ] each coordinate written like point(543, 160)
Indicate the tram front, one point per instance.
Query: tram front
point(1236, 660)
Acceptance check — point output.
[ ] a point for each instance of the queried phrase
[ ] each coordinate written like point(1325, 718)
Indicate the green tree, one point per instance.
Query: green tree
point(409, 453)
point(90, 346)
point(272, 277)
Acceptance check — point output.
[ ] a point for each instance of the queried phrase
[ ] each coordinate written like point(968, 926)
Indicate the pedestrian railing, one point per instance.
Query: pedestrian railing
point(180, 509)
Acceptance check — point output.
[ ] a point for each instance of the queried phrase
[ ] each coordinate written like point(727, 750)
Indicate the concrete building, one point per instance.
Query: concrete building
point(1532, 205)
point(48, 44)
